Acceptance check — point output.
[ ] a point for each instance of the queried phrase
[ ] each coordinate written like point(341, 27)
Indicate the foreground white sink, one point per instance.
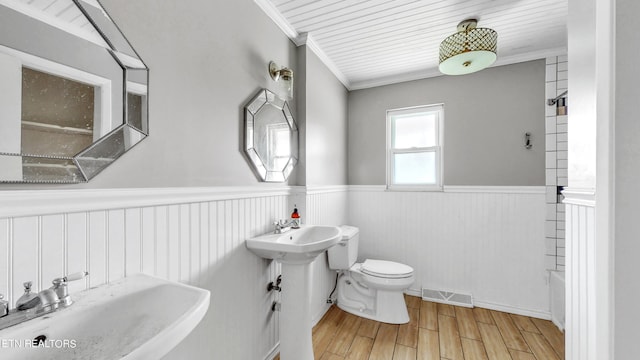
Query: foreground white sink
point(138, 317)
point(296, 246)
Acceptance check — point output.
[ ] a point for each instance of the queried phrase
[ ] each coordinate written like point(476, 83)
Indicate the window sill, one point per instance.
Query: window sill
point(415, 188)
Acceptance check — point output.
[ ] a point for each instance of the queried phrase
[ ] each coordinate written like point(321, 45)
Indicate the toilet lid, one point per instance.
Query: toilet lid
point(387, 269)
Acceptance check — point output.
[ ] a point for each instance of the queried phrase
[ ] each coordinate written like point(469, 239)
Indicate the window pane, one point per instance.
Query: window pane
point(414, 168)
point(414, 130)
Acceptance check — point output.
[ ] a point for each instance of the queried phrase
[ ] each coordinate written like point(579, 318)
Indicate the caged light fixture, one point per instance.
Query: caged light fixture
point(469, 50)
point(284, 76)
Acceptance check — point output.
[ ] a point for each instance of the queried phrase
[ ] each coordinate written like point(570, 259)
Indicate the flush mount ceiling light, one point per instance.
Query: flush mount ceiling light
point(284, 76)
point(469, 50)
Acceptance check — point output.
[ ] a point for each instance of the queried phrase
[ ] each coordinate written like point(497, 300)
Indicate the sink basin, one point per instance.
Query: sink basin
point(295, 250)
point(296, 246)
point(138, 317)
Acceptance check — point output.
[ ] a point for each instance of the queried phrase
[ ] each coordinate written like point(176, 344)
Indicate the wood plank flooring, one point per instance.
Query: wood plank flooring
point(437, 332)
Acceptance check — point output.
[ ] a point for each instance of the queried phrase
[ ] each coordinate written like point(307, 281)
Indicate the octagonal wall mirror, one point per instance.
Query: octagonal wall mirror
point(271, 137)
point(74, 91)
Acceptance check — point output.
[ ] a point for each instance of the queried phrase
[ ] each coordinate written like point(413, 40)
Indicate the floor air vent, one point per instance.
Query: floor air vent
point(447, 297)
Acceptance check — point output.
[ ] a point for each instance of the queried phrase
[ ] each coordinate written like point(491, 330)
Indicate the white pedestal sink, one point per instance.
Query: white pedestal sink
point(295, 250)
point(135, 318)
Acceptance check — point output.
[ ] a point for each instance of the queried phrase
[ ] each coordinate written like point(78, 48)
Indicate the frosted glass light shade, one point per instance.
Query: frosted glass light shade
point(467, 62)
point(469, 50)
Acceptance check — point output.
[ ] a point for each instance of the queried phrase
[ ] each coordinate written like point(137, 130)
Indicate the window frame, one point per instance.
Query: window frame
point(438, 149)
point(103, 119)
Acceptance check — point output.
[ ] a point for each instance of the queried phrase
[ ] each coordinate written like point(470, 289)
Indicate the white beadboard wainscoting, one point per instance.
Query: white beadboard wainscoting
point(582, 299)
point(195, 236)
point(325, 205)
point(487, 241)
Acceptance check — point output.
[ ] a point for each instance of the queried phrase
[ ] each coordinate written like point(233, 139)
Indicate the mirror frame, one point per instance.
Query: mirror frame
point(251, 115)
point(108, 148)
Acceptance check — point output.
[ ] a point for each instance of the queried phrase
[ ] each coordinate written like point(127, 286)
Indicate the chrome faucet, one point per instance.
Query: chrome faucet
point(60, 287)
point(4, 306)
point(28, 300)
point(31, 305)
point(283, 226)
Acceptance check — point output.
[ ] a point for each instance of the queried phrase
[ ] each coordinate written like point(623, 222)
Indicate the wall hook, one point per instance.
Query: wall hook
point(527, 141)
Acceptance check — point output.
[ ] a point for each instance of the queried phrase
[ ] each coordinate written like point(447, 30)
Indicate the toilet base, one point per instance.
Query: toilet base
point(380, 305)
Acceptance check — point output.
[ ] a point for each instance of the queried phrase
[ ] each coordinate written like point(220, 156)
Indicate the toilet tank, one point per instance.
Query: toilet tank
point(345, 253)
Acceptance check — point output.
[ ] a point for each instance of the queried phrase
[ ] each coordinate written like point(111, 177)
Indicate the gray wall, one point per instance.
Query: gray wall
point(486, 116)
point(206, 60)
point(627, 172)
point(325, 113)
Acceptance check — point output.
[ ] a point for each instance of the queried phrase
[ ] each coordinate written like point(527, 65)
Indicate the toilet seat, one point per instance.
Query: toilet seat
point(386, 269)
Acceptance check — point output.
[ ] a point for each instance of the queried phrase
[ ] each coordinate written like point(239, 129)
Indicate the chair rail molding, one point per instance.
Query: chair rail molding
point(576, 196)
point(46, 202)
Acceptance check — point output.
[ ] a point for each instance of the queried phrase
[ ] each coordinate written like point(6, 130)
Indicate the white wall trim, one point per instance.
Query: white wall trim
point(81, 32)
point(465, 189)
point(275, 15)
point(17, 203)
point(307, 39)
point(317, 317)
point(20, 203)
point(583, 197)
point(495, 189)
point(367, 187)
point(429, 73)
point(323, 189)
point(493, 306)
point(513, 310)
point(301, 39)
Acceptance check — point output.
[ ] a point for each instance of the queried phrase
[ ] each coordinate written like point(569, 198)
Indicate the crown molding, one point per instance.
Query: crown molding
point(301, 39)
point(275, 15)
point(307, 39)
point(433, 72)
point(395, 79)
point(529, 56)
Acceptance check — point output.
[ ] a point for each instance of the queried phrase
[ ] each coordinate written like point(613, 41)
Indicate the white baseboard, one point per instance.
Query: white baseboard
point(498, 307)
point(316, 319)
point(545, 315)
point(414, 292)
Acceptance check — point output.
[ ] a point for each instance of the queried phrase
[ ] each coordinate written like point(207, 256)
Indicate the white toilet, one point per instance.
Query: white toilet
point(372, 289)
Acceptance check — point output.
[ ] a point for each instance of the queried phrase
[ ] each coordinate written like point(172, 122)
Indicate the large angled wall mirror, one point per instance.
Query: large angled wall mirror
point(73, 91)
point(271, 137)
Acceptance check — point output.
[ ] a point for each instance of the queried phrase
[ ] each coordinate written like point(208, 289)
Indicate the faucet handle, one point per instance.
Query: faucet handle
point(60, 287)
point(27, 285)
point(70, 277)
point(76, 276)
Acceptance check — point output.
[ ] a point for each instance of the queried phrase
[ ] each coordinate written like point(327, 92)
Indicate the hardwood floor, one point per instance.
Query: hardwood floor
point(437, 332)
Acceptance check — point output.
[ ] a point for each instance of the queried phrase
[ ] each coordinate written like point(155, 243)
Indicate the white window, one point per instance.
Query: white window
point(414, 148)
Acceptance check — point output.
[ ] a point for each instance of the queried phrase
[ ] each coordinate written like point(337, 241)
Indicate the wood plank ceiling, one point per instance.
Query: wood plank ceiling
point(374, 42)
point(63, 14)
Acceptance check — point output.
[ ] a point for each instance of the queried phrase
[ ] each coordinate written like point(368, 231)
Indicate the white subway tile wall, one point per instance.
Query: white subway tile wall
point(556, 162)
